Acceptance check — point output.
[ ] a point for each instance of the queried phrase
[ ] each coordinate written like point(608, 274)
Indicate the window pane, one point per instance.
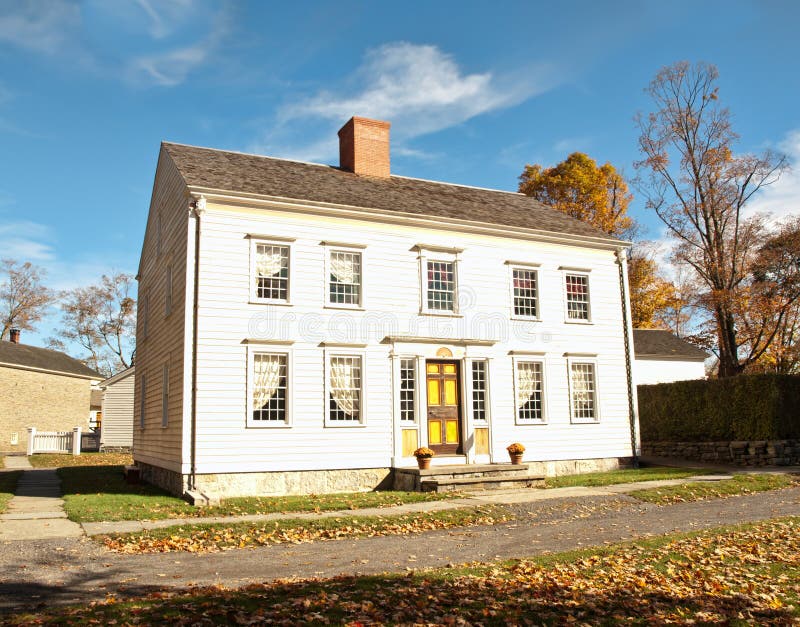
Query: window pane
point(272, 271)
point(529, 390)
point(408, 387)
point(583, 391)
point(345, 278)
point(525, 293)
point(577, 296)
point(441, 285)
point(479, 390)
point(345, 389)
point(270, 387)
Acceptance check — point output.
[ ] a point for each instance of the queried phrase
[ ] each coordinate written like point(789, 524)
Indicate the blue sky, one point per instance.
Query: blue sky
point(474, 92)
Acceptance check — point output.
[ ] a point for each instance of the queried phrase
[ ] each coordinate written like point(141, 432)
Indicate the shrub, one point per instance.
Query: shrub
point(747, 407)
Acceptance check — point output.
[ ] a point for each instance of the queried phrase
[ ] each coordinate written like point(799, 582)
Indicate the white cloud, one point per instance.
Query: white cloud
point(572, 144)
point(169, 68)
point(39, 25)
point(26, 241)
point(419, 88)
point(782, 197)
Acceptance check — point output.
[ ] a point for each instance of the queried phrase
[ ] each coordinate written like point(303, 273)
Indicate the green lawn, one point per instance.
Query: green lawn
point(739, 484)
point(747, 574)
point(595, 479)
point(8, 483)
point(99, 493)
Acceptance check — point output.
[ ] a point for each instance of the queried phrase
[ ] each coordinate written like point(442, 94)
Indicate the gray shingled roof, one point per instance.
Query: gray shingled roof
point(658, 343)
point(44, 359)
point(236, 172)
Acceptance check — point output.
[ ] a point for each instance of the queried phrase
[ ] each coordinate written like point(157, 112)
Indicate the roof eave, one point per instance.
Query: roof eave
point(392, 216)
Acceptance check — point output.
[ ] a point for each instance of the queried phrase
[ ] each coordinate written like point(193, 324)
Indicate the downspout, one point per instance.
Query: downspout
point(622, 257)
point(199, 210)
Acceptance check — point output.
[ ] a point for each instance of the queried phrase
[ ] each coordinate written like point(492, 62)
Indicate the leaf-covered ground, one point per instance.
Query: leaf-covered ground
point(55, 460)
point(742, 575)
point(221, 537)
point(739, 484)
point(628, 475)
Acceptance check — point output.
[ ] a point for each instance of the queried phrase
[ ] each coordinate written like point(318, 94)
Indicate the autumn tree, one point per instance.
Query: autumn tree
point(699, 187)
point(23, 297)
point(582, 189)
point(101, 318)
point(651, 294)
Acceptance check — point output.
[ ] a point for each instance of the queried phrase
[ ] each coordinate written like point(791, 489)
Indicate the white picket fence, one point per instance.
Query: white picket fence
point(54, 441)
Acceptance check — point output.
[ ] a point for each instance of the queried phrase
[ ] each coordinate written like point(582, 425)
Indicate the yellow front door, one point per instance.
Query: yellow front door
point(444, 412)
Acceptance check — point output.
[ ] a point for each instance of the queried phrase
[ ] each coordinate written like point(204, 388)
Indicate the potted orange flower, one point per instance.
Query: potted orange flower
point(423, 455)
point(515, 451)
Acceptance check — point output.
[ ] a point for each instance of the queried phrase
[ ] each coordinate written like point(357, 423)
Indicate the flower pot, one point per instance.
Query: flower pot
point(516, 458)
point(424, 462)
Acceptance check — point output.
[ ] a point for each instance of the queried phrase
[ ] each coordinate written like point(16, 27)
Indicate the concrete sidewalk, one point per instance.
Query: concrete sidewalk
point(473, 499)
point(36, 511)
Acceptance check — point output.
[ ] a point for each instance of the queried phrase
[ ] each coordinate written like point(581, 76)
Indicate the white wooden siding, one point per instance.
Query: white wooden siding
point(391, 285)
point(118, 402)
point(164, 342)
point(650, 371)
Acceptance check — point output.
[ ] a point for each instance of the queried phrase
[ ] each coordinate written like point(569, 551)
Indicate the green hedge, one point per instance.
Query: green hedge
point(747, 407)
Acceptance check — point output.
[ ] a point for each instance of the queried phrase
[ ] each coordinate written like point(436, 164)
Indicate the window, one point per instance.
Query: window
point(168, 291)
point(583, 386)
point(271, 272)
point(165, 396)
point(441, 284)
point(142, 400)
point(345, 390)
point(530, 391)
point(408, 385)
point(269, 389)
point(525, 285)
point(479, 406)
point(344, 281)
point(577, 287)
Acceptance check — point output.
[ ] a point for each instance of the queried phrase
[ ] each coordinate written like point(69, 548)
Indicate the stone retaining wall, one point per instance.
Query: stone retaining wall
point(749, 453)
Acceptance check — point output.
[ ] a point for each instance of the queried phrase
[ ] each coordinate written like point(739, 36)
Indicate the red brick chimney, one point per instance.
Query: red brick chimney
point(364, 147)
point(14, 336)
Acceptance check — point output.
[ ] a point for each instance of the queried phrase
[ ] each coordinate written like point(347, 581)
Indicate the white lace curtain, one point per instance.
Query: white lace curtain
point(343, 268)
point(528, 380)
point(267, 372)
point(270, 261)
point(345, 384)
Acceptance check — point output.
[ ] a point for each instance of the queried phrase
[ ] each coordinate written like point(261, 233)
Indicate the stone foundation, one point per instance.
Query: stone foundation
point(116, 449)
point(577, 466)
point(271, 483)
point(747, 453)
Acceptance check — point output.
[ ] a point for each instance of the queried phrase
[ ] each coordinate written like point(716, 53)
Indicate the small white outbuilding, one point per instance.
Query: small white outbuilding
point(663, 357)
point(116, 430)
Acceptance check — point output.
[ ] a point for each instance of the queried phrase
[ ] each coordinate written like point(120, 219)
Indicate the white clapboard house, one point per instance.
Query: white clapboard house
point(304, 328)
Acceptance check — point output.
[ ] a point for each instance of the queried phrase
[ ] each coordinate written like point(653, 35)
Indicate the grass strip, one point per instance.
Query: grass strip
point(57, 460)
point(8, 485)
point(630, 475)
point(221, 537)
point(100, 493)
point(737, 486)
point(743, 574)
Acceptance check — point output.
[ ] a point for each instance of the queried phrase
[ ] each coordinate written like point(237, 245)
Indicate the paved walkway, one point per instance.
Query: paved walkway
point(37, 510)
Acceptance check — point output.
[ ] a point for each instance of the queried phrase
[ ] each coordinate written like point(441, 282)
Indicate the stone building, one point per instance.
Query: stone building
point(40, 388)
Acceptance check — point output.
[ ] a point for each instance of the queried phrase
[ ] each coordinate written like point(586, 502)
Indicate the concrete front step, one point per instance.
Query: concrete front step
point(487, 482)
point(464, 477)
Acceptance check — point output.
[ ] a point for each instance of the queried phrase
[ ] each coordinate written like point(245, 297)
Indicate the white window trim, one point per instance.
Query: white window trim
point(584, 360)
point(343, 248)
point(142, 400)
point(362, 413)
point(253, 290)
point(545, 395)
point(530, 268)
point(432, 255)
point(414, 359)
point(267, 349)
point(477, 422)
point(576, 272)
point(165, 396)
